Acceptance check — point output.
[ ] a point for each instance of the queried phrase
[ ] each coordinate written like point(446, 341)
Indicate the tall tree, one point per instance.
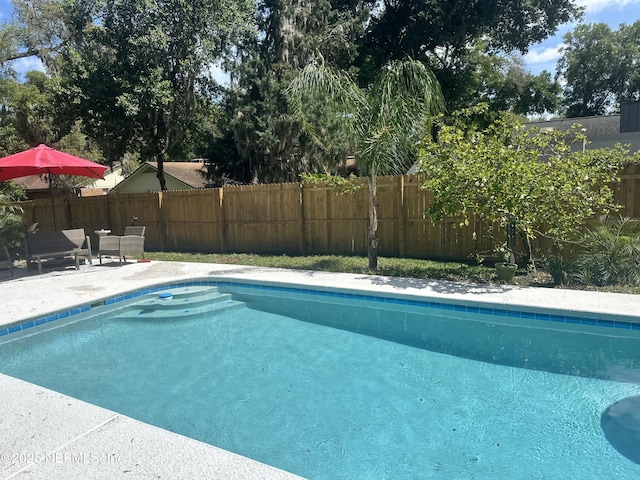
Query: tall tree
point(265, 143)
point(137, 70)
point(475, 74)
point(381, 125)
point(31, 103)
point(600, 68)
point(629, 78)
point(268, 141)
point(27, 118)
point(36, 29)
point(10, 139)
point(415, 28)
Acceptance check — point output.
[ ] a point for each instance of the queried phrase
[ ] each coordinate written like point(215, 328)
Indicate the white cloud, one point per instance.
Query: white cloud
point(594, 6)
point(548, 54)
point(24, 65)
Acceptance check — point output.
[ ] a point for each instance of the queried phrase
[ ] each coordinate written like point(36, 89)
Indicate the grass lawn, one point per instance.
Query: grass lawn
point(393, 267)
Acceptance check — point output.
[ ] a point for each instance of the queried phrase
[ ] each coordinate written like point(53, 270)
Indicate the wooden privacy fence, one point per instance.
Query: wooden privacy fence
point(286, 219)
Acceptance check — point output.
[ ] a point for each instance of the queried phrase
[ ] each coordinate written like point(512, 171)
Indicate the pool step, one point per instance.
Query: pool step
point(180, 302)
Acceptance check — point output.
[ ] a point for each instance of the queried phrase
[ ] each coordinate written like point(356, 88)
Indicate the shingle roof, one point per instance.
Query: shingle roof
point(32, 182)
point(190, 173)
point(597, 125)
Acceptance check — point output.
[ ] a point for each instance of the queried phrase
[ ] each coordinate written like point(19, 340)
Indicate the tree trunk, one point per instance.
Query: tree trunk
point(160, 133)
point(372, 246)
point(531, 260)
point(160, 174)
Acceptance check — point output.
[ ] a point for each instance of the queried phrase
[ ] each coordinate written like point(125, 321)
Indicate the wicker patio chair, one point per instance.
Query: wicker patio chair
point(131, 243)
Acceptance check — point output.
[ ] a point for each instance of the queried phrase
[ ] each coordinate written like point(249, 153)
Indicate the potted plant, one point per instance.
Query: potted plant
point(506, 269)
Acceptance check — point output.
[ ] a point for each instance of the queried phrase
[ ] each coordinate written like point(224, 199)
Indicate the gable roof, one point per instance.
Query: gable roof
point(190, 173)
point(178, 176)
point(37, 187)
point(32, 183)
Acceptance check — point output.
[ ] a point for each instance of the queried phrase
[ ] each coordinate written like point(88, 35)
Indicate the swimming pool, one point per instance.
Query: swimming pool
point(362, 387)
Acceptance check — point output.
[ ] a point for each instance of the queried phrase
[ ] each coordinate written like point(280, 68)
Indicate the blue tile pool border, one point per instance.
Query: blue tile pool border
point(349, 295)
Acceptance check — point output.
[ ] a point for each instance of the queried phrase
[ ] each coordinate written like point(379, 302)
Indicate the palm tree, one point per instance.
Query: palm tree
point(381, 124)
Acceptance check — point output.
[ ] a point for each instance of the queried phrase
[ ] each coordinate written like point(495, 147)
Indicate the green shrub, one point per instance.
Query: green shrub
point(558, 268)
point(11, 226)
point(610, 253)
point(12, 233)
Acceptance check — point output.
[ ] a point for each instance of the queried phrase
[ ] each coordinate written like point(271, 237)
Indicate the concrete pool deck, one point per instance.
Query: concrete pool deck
point(52, 436)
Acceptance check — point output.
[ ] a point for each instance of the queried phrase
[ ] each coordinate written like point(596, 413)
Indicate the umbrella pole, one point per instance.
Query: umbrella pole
point(53, 204)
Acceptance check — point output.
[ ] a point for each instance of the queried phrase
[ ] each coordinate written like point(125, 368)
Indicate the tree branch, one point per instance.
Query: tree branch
point(19, 55)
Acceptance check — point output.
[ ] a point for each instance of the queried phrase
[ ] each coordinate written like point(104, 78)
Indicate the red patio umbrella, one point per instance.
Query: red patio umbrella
point(43, 160)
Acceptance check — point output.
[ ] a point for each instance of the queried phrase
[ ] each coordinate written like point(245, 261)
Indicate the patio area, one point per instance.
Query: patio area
point(49, 435)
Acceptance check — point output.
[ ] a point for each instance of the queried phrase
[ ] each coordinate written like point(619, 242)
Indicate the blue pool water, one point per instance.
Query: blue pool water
point(383, 392)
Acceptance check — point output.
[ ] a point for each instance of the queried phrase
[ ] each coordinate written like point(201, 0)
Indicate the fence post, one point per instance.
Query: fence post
point(221, 220)
point(302, 243)
point(108, 212)
point(402, 231)
point(329, 229)
point(444, 237)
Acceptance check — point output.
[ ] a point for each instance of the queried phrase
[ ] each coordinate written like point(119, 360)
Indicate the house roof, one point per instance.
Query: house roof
point(190, 173)
point(178, 175)
point(594, 126)
point(35, 184)
point(32, 183)
point(601, 131)
point(112, 177)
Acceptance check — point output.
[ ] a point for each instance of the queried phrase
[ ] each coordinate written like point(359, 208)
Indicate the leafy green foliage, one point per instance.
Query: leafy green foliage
point(558, 267)
point(417, 28)
point(610, 253)
point(507, 174)
point(266, 143)
point(342, 185)
point(137, 72)
point(27, 107)
point(11, 226)
point(475, 74)
point(12, 233)
point(10, 141)
point(380, 125)
point(600, 68)
point(10, 192)
point(428, 24)
point(38, 28)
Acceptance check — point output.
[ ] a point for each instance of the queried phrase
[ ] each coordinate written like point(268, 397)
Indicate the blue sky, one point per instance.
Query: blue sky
point(541, 56)
point(544, 56)
point(24, 64)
